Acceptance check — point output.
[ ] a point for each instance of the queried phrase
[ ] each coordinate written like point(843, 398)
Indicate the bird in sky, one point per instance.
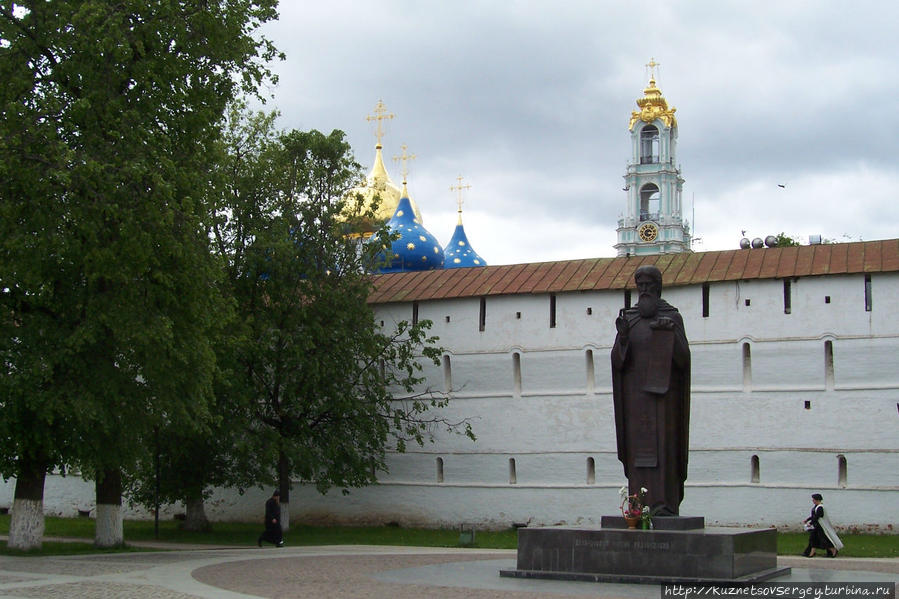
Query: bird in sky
point(782, 185)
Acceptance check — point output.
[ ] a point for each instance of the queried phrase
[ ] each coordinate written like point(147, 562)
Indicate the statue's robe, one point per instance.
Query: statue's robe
point(651, 391)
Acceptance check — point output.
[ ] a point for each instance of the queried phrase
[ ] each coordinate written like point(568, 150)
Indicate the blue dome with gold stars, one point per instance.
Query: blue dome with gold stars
point(459, 253)
point(416, 248)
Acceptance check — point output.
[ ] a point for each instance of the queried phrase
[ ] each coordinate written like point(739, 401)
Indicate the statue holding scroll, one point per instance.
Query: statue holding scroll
point(651, 390)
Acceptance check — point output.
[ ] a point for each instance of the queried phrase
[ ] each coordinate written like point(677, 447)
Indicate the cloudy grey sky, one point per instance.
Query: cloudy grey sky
point(530, 102)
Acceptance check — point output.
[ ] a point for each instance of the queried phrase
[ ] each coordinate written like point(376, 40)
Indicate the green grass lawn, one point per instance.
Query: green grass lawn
point(854, 545)
point(245, 534)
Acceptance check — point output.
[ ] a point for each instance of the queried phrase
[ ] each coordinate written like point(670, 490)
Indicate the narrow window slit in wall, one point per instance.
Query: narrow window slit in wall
point(414, 313)
point(591, 471)
point(747, 367)
point(591, 371)
point(868, 299)
point(841, 471)
point(808, 405)
point(627, 299)
point(513, 477)
point(439, 470)
point(746, 302)
point(589, 311)
point(447, 374)
point(705, 300)
point(754, 469)
point(788, 299)
point(552, 310)
point(516, 373)
point(482, 315)
point(828, 365)
point(826, 299)
point(518, 316)
point(447, 318)
point(382, 323)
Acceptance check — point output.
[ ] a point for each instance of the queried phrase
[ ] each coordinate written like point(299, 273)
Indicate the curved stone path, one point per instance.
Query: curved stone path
point(338, 572)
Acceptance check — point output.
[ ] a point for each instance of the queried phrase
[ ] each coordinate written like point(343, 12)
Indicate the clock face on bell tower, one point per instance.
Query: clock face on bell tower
point(648, 232)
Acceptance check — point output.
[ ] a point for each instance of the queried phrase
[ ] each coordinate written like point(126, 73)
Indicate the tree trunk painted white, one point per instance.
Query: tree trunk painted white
point(195, 519)
point(109, 529)
point(285, 516)
point(26, 525)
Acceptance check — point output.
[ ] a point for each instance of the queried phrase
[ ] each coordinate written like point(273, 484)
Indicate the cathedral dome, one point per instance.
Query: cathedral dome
point(379, 184)
point(416, 248)
point(459, 253)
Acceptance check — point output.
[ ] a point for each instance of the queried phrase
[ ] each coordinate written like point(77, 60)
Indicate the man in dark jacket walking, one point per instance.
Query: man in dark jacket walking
point(272, 532)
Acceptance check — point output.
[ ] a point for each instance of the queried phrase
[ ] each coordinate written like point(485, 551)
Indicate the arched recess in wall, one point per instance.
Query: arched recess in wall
point(754, 469)
point(516, 373)
point(447, 374)
point(842, 474)
point(439, 462)
point(513, 475)
point(591, 370)
point(591, 471)
point(747, 367)
point(828, 364)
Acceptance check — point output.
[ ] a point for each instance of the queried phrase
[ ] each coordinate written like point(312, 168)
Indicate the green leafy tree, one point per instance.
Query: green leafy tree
point(328, 389)
point(784, 240)
point(110, 111)
point(185, 465)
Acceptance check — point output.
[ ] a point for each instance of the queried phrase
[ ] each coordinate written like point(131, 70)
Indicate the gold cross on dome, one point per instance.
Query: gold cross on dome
point(652, 64)
point(380, 114)
point(404, 158)
point(459, 188)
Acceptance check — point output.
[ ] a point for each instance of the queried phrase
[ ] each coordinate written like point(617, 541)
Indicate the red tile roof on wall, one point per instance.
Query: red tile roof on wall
point(618, 273)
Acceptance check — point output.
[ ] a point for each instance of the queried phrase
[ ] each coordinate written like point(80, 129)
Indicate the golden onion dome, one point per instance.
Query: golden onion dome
point(378, 184)
point(653, 106)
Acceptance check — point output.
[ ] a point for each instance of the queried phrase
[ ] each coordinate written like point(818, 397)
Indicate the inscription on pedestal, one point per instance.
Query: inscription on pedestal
point(634, 545)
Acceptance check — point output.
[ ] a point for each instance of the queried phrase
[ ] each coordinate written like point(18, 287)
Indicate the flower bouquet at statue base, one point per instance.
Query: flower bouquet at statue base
point(634, 509)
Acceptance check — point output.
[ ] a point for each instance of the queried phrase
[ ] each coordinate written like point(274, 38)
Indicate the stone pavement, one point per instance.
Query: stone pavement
point(339, 572)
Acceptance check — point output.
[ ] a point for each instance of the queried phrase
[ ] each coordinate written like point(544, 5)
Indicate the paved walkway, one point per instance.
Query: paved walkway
point(340, 572)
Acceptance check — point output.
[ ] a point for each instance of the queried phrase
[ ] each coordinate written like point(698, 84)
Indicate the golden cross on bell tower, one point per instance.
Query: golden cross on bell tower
point(404, 158)
point(652, 64)
point(380, 114)
point(459, 188)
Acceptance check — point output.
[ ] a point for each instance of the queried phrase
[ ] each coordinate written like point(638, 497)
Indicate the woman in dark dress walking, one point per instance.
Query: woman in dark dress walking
point(821, 534)
point(272, 533)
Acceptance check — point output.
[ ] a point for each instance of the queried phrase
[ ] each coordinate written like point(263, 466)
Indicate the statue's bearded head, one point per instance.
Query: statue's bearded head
point(649, 288)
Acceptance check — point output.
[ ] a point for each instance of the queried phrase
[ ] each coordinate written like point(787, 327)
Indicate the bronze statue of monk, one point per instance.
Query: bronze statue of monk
point(651, 390)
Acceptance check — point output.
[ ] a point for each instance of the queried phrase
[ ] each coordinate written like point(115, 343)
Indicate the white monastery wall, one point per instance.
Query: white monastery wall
point(783, 405)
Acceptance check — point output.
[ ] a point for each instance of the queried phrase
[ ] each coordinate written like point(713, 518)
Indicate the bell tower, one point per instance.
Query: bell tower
point(653, 221)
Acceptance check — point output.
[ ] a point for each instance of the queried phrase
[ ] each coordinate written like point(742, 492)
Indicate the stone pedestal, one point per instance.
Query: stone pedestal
point(659, 522)
point(694, 555)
